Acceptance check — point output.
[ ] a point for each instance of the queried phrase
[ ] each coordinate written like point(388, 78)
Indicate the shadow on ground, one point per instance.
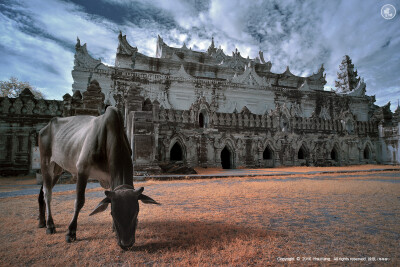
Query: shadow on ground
point(166, 235)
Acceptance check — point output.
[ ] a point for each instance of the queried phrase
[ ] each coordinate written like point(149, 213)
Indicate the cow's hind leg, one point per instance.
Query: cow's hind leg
point(42, 209)
point(47, 193)
point(48, 183)
point(79, 202)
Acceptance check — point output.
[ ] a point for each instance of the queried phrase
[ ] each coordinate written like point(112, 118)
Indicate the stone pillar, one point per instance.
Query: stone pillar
point(133, 100)
point(76, 102)
point(141, 133)
point(67, 99)
point(93, 100)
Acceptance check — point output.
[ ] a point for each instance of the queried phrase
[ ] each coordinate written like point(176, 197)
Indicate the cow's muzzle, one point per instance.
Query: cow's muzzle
point(126, 246)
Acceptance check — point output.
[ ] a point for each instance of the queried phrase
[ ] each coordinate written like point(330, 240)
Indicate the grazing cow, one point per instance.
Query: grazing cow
point(91, 147)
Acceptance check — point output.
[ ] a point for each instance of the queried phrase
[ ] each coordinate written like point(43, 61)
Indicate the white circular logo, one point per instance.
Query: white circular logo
point(388, 11)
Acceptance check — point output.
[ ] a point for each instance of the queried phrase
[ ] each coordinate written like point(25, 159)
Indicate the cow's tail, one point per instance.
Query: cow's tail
point(42, 208)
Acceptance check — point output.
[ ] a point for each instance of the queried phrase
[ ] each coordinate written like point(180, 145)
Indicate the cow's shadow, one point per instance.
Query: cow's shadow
point(175, 235)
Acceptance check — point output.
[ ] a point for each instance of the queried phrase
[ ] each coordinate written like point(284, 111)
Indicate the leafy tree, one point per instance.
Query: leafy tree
point(347, 76)
point(13, 87)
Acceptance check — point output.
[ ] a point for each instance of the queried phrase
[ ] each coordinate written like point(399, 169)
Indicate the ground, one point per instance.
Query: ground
point(299, 214)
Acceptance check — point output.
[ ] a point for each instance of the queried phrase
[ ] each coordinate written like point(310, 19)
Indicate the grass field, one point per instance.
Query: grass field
point(230, 221)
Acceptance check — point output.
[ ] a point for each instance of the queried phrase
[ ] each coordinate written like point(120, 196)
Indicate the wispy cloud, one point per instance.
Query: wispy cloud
point(38, 36)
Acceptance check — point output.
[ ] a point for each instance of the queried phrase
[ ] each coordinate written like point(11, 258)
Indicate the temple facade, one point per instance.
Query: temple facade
point(211, 109)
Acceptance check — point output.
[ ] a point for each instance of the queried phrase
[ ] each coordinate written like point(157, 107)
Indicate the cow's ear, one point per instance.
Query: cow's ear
point(101, 207)
point(139, 191)
point(147, 200)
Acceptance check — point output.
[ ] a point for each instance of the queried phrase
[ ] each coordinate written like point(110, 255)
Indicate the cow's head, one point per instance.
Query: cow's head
point(124, 210)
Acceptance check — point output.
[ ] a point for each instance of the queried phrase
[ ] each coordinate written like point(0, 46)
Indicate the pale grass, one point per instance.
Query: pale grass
point(303, 169)
point(232, 222)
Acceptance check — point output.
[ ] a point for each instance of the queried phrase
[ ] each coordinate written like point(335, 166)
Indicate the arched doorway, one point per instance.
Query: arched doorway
point(176, 153)
point(267, 154)
point(334, 154)
point(226, 158)
point(301, 154)
point(201, 120)
point(367, 153)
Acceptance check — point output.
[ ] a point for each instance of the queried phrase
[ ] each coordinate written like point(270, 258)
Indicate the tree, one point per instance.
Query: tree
point(13, 87)
point(347, 77)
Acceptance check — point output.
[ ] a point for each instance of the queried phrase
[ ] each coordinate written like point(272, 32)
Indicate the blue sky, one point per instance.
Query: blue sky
point(37, 37)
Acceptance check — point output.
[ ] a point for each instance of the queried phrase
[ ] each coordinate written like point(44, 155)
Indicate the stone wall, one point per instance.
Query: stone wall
point(21, 119)
point(389, 138)
point(252, 140)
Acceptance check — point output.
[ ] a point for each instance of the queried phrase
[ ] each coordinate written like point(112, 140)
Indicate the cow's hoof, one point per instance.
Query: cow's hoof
point(42, 224)
point(51, 230)
point(70, 238)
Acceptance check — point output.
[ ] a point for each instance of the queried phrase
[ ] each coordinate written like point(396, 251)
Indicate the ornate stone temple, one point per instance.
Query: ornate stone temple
point(212, 109)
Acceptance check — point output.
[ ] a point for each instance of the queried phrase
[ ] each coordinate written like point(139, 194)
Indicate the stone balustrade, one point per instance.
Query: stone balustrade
point(254, 121)
point(26, 104)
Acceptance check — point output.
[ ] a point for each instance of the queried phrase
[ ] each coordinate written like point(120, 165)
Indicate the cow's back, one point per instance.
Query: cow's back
point(62, 139)
point(97, 143)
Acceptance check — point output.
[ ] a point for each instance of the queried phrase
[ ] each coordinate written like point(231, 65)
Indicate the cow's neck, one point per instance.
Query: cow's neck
point(124, 176)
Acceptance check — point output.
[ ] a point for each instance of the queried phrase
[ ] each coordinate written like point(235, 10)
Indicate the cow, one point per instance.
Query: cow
point(91, 147)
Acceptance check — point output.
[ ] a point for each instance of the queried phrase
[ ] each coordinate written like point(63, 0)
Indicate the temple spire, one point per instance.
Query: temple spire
point(211, 49)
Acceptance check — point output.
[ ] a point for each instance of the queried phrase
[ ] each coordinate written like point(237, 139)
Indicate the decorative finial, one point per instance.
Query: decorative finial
point(78, 42)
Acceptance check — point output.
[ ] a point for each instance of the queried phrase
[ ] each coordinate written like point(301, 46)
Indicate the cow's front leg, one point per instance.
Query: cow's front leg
point(79, 202)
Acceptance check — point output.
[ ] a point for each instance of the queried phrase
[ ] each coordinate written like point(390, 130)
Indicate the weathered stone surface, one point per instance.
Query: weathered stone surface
point(21, 119)
point(93, 98)
point(212, 109)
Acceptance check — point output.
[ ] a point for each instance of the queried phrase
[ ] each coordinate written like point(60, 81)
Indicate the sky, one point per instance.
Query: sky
point(38, 37)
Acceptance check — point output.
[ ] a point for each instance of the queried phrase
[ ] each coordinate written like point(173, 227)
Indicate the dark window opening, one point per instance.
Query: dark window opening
point(201, 120)
point(147, 106)
point(201, 59)
point(20, 143)
point(366, 153)
point(267, 154)
point(301, 153)
point(176, 153)
point(226, 158)
point(334, 155)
